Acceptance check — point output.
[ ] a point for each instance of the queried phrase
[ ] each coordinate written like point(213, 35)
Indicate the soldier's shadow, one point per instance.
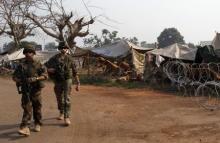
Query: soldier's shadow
point(10, 132)
point(52, 122)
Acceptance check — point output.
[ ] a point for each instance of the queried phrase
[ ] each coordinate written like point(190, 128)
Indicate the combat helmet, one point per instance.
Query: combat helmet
point(29, 49)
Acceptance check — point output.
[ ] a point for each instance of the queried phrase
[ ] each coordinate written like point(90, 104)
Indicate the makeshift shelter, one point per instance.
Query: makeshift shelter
point(16, 55)
point(78, 52)
point(138, 57)
point(41, 55)
point(176, 51)
point(216, 44)
point(121, 49)
point(4, 57)
point(118, 49)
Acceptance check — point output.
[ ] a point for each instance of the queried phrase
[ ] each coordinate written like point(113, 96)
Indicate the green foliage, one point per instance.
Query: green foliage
point(107, 37)
point(133, 40)
point(170, 36)
point(107, 81)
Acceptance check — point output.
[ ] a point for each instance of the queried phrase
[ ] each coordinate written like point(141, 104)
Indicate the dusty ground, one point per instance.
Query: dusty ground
point(112, 115)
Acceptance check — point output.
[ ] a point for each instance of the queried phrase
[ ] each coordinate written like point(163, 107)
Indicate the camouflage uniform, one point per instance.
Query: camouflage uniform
point(65, 70)
point(32, 69)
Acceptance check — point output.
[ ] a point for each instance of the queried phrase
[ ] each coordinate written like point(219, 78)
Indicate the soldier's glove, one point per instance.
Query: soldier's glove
point(32, 79)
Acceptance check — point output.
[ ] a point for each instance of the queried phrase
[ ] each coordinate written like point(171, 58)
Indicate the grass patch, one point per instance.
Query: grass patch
point(109, 82)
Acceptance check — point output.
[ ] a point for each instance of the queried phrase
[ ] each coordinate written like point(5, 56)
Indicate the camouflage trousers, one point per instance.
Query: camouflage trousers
point(63, 91)
point(30, 105)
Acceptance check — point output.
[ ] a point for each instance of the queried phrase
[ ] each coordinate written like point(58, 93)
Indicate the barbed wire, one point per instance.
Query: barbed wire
point(200, 81)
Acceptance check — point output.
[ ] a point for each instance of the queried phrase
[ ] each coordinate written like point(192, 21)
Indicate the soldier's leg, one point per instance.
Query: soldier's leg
point(58, 89)
point(67, 93)
point(37, 105)
point(27, 111)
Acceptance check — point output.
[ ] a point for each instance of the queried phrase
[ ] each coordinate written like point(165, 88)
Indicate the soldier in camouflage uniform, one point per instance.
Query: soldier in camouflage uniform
point(34, 73)
point(61, 69)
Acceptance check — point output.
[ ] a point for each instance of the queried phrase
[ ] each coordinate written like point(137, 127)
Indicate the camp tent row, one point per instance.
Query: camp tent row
point(40, 55)
point(121, 49)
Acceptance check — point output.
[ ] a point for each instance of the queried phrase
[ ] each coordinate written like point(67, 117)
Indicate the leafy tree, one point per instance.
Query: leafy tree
point(170, 36)
point(107, 37)
point(134, 40)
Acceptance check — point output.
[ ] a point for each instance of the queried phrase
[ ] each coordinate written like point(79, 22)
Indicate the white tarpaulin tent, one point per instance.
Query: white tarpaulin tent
point(176, 51)
point(16, 55)
point(216, 41)
point(216, 44)
point(42, 56)
point(4, 57)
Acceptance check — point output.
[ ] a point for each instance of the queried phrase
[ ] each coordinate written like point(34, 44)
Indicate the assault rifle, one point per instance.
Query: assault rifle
point(23, 86)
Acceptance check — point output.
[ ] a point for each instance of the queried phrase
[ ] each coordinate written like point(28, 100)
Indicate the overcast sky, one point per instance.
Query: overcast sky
point(196, 20)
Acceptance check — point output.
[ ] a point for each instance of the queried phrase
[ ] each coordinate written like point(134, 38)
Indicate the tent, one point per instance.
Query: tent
point(216, 41)
point(4, 57)
point(176, 51)
point(121, 49)
point(118, 49)
point(216, 44)
point(40, 55)
point(16, 55)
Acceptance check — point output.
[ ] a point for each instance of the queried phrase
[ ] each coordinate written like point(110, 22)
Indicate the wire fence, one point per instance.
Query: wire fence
point(200, 81)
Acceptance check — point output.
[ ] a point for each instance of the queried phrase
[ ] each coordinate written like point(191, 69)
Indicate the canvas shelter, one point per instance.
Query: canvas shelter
point(118, 49)
point(138, 57)
point(176, 51)
point(121, 49)
point(216, 44)
point(16, 55)
point(42, 56)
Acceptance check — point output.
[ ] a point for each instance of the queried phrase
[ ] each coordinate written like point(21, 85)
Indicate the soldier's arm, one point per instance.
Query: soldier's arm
point(42, 73)
point(50, 65)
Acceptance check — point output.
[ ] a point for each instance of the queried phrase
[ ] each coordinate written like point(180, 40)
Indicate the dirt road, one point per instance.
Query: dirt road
point(112, 115)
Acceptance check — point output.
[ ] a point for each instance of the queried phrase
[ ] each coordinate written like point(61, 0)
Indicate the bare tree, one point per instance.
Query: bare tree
point(13, 23)
point(57, 23)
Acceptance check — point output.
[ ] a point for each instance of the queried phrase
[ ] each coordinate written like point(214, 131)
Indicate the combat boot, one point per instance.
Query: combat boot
point(61, 117)
point(24, 131)
point(67, 121)
point(37, 128)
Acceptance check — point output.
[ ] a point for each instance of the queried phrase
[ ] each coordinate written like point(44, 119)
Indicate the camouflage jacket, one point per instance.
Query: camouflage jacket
point(64, 67)
point(32, 69)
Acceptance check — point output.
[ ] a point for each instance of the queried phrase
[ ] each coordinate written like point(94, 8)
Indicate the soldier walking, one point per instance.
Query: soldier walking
point(61, 70)
point(28, 76)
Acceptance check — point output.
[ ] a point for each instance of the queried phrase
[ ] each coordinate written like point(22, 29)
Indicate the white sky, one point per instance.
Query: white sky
point(197, 20)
